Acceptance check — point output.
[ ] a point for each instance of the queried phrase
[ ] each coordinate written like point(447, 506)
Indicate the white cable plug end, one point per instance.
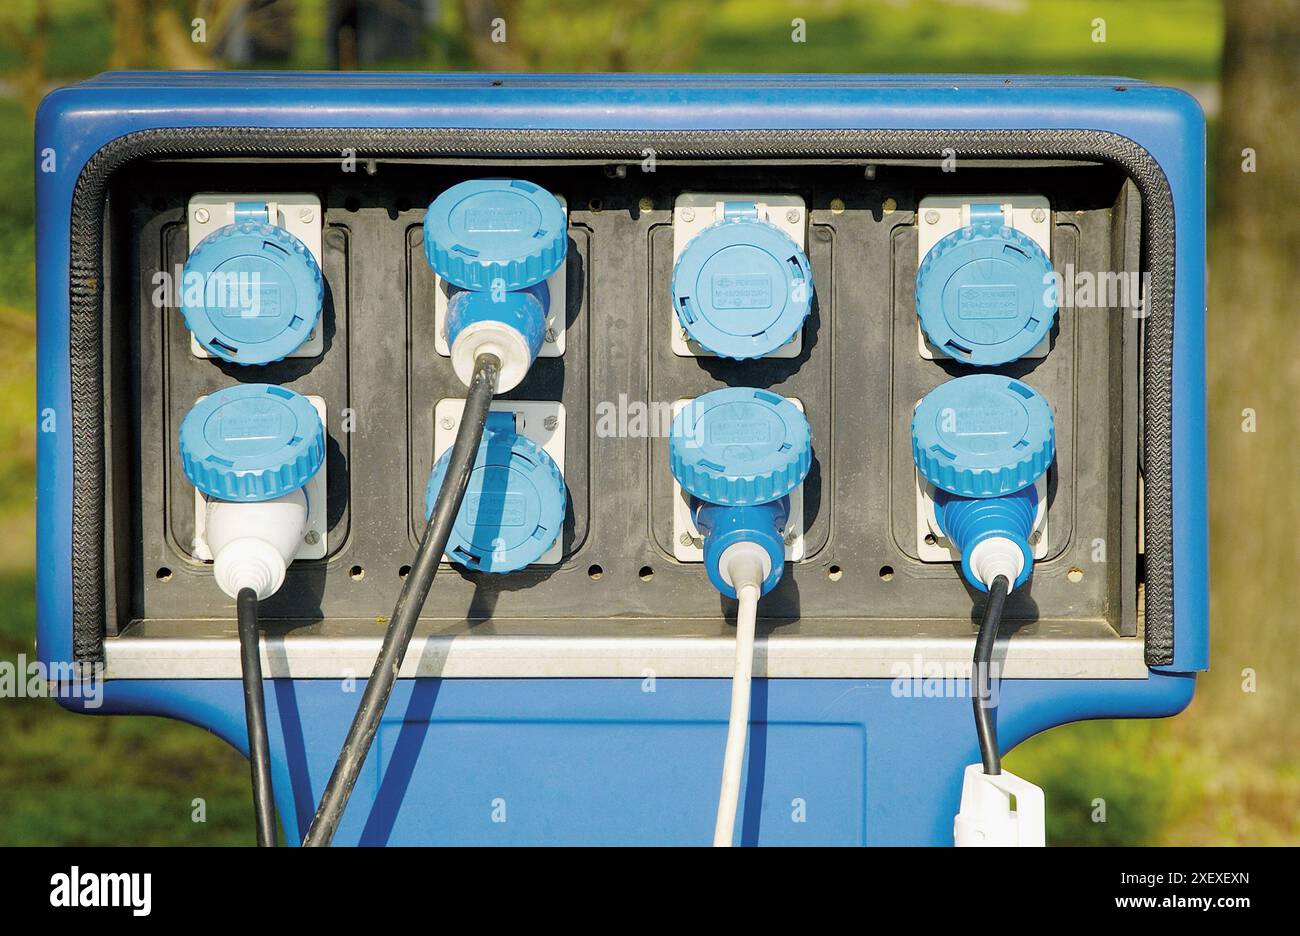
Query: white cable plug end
point(996, 556)
point(253, 543)
point(502, 341)
point(744, 564)
point(999, 809)
point(249, 562)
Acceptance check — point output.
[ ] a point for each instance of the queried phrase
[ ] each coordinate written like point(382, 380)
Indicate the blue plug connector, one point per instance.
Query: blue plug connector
point(739, 453)
point(983, 441)
point(495, 242)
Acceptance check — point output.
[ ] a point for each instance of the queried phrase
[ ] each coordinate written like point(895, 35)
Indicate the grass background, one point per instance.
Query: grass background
point(1162, 781)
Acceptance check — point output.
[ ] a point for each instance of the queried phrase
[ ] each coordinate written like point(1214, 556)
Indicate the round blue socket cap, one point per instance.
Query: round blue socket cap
point(488, 231)
point(740, 446)
point(261, 293)
point(983, 435)
point(742, 288)
point(253, 442)
point(984, 295)
point(514, 505)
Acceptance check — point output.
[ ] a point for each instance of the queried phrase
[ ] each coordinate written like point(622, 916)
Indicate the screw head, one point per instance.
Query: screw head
point(790, 537)
point(305, 215)
point(889, 205)
point(549, 336)
point(447, 422)
point(837, 206)
point(688, 214)
point(686, 539)
point(646, 204)
point(1038, 215)
point(792, 215)
point(932, 217)
point(1035, 537)
point(201, 215)
point(551, 422)
point(312, 538)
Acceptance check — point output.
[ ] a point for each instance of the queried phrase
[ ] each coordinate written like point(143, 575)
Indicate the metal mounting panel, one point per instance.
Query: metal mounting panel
point(857, 375)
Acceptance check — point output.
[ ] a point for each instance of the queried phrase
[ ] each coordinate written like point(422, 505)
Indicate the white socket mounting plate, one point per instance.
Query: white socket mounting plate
point(315, 540)
point(542, 421)
point(939, 215)
point(941, 549)
point(296, 212)
point(688, 543)
point(556, 315)
point(695, 211)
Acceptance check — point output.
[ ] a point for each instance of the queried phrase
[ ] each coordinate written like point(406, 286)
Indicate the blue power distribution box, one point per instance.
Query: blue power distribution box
point(795, 234)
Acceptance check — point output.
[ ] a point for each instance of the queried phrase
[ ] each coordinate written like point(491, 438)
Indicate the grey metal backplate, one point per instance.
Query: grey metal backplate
point(858, 377)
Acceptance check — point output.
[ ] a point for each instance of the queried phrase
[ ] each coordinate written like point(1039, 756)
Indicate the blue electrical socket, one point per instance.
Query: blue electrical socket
point(543, 422)
point(939, 217)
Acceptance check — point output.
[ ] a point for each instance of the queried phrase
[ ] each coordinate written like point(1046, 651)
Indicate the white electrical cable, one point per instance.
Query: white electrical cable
point(745, 573)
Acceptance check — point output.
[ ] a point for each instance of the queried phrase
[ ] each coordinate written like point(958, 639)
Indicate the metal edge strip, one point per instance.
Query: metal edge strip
point(479, 657)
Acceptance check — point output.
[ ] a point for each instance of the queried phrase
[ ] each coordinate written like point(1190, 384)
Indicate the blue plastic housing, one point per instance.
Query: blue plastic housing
point(601, 761)
point(739, 452)
point(485, 232)
point(523, 310)
point(967, 521)
point(739, 446)
point(724, 526)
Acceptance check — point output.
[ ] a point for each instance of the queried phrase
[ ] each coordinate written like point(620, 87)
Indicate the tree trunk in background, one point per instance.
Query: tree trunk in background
point(1254, 365)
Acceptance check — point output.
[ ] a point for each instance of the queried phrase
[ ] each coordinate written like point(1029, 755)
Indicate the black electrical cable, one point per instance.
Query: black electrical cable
point(410, 601)
point(259, 749)
point(984, 682)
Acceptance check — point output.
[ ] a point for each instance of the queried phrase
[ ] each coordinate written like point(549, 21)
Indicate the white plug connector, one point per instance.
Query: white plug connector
point(502, 341)
point(996, 556)
point(252, 544)
point(999, 809)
